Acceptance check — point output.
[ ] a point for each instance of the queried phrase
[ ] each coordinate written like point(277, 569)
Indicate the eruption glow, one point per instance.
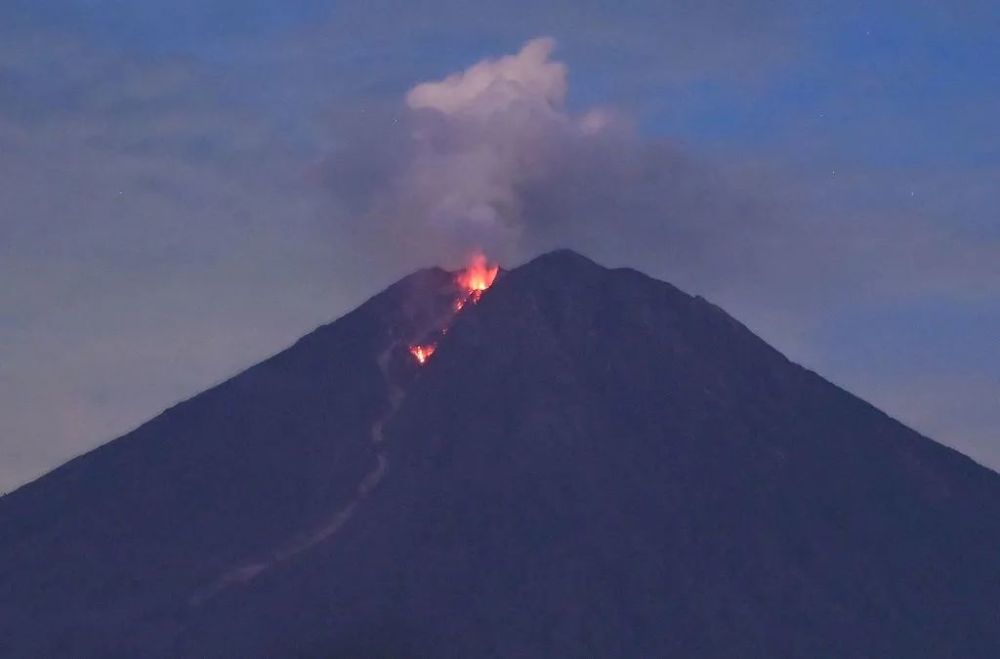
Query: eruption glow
point(423, 353)
point(475, 279)
point(471, 282)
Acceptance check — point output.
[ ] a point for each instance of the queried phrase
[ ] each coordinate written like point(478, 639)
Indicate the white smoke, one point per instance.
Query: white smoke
point(477, 138)
point(490, 158)
point(491, 86)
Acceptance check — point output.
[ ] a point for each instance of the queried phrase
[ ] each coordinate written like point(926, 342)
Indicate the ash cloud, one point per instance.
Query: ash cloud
point(494, 158)
point(491, 157)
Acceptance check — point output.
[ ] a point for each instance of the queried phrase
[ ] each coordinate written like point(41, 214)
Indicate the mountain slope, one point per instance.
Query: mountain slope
point(593, 463)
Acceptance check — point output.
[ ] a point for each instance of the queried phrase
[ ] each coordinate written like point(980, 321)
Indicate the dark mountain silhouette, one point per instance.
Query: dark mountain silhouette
point(592, 464)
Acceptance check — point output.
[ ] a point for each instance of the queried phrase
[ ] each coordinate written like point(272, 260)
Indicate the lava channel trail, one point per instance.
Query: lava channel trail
point(246, 573)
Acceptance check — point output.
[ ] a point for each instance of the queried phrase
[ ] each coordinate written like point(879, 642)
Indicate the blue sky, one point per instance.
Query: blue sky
point(168, 215)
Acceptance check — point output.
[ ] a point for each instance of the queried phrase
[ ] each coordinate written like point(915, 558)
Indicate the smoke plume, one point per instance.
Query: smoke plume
point(490, 158)
point(458, 171)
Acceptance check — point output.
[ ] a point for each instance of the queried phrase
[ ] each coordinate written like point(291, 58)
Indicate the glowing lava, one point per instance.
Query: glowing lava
point(423, 353)
point(471, 282)
point(475, 279)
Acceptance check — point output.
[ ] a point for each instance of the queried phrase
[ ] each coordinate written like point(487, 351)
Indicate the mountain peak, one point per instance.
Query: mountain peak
point(562, 258)
point(591, 463)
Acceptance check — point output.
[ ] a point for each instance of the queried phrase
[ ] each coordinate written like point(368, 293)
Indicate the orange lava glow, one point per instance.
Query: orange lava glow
point(423, 353)
point(471, 282)
point(475, 279)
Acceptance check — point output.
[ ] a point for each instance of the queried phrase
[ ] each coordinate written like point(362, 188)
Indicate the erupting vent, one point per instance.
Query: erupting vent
point(474, 280)
point(471, 282)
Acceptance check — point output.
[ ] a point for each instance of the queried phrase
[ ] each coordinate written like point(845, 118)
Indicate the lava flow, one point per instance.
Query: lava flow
point(471, 282)
point(474, 280)
point(423, 353)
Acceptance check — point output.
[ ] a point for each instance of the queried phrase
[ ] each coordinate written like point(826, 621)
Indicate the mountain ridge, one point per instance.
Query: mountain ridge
point(592, 461)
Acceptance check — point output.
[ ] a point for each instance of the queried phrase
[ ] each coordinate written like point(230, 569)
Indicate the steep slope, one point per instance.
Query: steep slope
point(593, 463)
point(96, 553)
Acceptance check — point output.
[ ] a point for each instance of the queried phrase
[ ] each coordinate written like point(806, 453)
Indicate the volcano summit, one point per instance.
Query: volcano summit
point(589, 462)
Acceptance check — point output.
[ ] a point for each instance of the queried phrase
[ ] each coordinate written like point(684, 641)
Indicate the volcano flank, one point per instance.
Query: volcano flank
point(586, 462)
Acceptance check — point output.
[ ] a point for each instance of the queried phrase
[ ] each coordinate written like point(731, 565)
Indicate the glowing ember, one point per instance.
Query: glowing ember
point(423, 353)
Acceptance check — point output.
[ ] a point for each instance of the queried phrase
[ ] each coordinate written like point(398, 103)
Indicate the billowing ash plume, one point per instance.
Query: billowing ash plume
point(483, 134)
point(490, 158)
point(479, 138)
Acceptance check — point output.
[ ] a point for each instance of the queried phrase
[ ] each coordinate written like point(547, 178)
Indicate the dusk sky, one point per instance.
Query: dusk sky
point(189, 186)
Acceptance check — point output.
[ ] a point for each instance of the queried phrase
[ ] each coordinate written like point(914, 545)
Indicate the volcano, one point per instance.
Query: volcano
point(588, 463)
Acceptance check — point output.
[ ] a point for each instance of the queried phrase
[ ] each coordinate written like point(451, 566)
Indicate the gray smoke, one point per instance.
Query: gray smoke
point(491, 158)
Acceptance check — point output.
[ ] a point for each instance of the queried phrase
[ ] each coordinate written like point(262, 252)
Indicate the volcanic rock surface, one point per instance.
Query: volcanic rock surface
point(591, 464)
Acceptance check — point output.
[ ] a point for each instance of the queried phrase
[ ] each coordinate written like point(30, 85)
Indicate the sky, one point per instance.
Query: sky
point(189, 186)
